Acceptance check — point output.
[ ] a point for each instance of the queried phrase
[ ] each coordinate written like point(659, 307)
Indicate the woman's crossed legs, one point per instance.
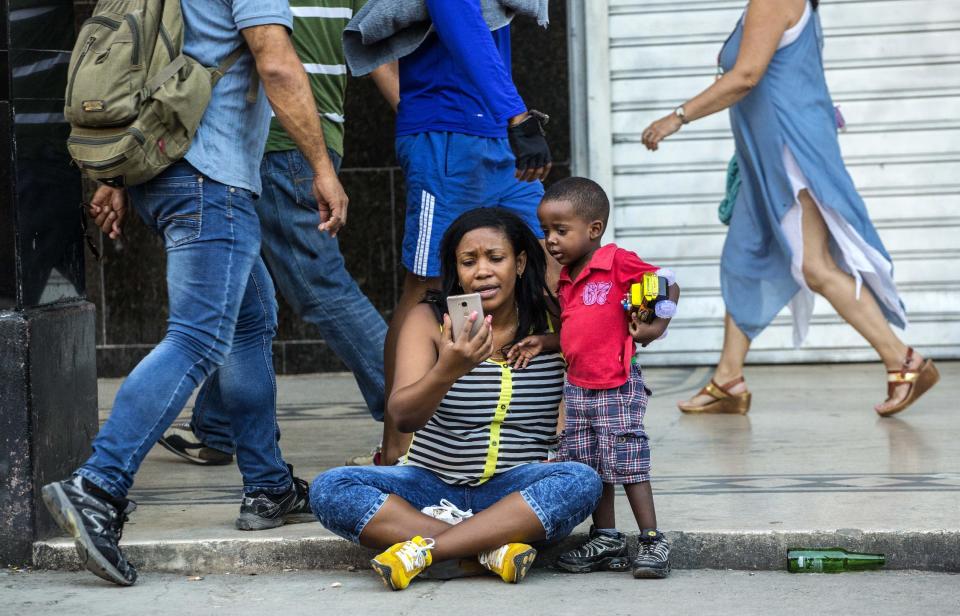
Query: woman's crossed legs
point(380, 506)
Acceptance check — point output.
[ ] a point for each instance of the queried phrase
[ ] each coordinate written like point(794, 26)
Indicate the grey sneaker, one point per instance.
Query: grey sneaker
point(600, 553)
point(653, 555)
point(260, 510)
point(96, 526)
point(179, 439)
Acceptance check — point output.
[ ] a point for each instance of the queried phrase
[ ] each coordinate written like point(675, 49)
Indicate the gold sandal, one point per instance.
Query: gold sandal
point(919, 381)
point(723, 401)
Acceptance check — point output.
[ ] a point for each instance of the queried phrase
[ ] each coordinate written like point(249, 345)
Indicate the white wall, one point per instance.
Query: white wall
point(894, 68)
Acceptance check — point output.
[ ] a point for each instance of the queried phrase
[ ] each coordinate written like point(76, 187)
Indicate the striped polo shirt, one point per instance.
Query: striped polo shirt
point(317, 30)
point(491, 420)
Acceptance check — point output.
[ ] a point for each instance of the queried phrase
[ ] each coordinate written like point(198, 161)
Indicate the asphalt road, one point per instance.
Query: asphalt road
point(700, 592)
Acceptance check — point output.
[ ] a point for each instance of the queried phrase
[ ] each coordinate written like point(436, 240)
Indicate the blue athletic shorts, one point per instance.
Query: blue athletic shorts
point(448, 174)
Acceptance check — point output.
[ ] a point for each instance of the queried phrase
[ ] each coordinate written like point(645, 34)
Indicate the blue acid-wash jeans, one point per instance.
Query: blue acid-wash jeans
point(222, 319)
point(309, 272)
point(562, 494)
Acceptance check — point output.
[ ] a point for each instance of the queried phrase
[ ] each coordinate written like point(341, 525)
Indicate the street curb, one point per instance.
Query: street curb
point(925, 550)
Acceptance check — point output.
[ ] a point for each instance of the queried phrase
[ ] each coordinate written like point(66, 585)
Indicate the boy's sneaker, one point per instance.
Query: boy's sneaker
point(96, 526)
point(260, 510)
point(403, 561)
point(653, 555)
point(601, 553)
point(180, 440)
point(511, 561)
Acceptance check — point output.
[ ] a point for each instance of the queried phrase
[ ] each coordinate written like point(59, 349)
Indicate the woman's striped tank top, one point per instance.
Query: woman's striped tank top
point(491, 420)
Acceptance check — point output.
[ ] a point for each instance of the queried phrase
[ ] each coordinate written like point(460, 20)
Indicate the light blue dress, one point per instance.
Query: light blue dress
point(789, 108)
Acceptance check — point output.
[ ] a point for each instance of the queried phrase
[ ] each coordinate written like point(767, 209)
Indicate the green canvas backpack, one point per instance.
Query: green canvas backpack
point(133, 100)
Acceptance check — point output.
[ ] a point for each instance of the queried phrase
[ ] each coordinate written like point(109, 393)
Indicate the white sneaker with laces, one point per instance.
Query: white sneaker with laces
point(447, 512)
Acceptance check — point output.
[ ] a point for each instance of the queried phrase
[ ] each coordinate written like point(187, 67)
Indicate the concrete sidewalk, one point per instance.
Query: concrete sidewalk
point(810, 465)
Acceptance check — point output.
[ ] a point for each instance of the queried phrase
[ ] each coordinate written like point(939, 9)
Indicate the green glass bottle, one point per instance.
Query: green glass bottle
point(831, 560)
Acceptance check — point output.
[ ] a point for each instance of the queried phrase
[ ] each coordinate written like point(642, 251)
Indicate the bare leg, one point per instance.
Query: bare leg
point(604, 516)
point(396, 521)
point(640, 496)
point(396, 443)
point(509, 520)
point(734, 353)
point(839, 288)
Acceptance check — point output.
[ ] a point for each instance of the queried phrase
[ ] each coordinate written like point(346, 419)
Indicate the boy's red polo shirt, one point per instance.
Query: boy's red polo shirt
point(594, 336)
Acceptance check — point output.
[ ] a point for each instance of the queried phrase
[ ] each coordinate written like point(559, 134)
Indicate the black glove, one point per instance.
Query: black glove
point(528, 141)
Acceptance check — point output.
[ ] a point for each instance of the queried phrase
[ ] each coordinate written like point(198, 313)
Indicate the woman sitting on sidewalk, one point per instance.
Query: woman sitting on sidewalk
point(484, 413)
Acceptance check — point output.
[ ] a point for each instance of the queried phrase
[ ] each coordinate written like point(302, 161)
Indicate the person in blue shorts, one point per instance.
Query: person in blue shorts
point(464, 139)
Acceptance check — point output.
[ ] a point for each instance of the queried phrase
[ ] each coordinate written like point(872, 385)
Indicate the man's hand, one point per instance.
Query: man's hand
point(332, 201)
point(529, 144)
point(107, 208)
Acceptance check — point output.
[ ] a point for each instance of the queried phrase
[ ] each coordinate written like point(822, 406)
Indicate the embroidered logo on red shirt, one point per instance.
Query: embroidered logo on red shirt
point(596, 293)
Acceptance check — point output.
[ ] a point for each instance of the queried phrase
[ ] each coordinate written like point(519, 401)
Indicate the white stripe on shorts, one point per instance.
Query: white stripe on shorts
point(421, 259)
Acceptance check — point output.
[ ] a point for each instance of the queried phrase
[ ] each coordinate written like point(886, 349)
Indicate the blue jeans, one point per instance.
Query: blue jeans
point(222, 318)
point(562, 494)
point(309, 271)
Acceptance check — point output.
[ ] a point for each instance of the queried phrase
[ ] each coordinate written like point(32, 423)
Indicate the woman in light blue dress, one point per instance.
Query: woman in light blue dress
point(799, 226)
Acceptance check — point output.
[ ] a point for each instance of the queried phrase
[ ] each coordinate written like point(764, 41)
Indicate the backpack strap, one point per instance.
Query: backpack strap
point(228, 62)
point(156, 82)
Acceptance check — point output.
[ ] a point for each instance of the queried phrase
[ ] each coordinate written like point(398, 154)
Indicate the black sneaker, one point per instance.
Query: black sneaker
point(601, 552)
point(260, 510)
point(653, 555)
point(179, 439)
point(96, 526)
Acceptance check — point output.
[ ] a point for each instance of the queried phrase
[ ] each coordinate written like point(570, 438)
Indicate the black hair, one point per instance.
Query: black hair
point(531, 291)
point(587, 197)
point(815, 3)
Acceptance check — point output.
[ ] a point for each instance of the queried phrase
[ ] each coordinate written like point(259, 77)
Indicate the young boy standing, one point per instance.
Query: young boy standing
point(605, 395)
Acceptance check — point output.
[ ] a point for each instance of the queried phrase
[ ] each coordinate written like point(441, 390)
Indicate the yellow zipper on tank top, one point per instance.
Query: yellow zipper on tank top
point(499, 414)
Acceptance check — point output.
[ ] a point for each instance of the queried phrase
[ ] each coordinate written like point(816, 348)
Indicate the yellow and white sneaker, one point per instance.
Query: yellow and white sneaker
point(403, 561)
point(511, 561)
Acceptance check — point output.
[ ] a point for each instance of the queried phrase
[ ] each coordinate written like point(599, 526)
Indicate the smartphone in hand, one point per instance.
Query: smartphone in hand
point(460, 307)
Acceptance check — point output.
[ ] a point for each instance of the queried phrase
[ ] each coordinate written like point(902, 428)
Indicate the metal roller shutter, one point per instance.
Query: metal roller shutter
point(893, 67)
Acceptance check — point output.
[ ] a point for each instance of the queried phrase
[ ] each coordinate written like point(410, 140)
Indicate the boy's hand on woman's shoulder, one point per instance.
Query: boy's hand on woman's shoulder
point(524, 351)
point(521, 353)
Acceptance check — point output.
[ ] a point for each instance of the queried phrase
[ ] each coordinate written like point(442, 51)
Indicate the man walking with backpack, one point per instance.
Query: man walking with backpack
point(307, 267)
point(222, 311)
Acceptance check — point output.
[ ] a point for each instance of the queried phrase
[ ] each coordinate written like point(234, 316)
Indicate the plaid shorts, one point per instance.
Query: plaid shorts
point(604, 430)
